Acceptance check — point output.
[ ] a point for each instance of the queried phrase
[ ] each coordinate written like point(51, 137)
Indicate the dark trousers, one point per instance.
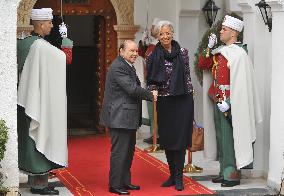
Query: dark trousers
point(122, 150)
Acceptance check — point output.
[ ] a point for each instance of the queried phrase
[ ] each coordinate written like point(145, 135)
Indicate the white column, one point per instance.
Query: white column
point(189, 39)
point(8, 93)
point(261, 146)
point(248, 18)
point(276, 153)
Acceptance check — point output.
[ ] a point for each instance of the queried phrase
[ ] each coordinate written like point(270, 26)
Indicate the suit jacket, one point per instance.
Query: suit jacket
point(123, 96)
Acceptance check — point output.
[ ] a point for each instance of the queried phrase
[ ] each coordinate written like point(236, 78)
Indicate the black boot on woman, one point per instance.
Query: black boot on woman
point(178, 180)
point(171, 180)
point(179, 163)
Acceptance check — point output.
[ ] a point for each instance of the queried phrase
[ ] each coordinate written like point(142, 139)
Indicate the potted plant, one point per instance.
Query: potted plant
point(3, 141)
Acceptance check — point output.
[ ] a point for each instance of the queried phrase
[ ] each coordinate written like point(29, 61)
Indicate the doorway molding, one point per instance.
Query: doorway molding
point(124, 10)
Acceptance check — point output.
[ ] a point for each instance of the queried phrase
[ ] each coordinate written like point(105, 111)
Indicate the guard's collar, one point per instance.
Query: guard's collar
point(36, 34)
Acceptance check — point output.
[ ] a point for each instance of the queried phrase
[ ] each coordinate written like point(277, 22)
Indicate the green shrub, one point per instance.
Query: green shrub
point(3, 138)
point(3, 141)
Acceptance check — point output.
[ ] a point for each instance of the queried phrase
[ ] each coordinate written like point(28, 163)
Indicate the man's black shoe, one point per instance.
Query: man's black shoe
point(45, 191)
point(132, 187)
point(218, 179)
point(227, 183)
point(119, 191)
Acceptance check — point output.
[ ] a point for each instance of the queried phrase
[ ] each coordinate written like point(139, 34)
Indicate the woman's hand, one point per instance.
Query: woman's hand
point(155, 94)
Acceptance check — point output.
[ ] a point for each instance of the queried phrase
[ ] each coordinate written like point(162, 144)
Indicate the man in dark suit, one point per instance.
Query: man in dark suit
point(121, 113)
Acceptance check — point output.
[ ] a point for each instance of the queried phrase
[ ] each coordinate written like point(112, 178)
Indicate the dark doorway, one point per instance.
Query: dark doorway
point(82, 80)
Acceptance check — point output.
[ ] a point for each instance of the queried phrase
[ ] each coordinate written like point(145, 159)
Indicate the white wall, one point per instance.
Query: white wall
point(188, 40)
point(262, 65)
point(8, 93)
point(233, 5)
point(276, 153)
point(164, 9)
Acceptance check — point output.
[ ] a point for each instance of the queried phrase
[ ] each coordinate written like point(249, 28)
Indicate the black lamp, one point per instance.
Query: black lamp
point(210, 11)
point(266, 13)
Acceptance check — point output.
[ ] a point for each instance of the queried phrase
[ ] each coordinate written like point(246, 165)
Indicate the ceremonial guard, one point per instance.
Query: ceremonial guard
point(41, 103)
point(236, 105)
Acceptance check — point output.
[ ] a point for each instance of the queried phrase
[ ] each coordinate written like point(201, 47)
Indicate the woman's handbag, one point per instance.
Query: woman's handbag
point(197, 138)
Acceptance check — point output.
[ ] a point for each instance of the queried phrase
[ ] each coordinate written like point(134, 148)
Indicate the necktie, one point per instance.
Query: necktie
point(133, 68)
point(137, 79)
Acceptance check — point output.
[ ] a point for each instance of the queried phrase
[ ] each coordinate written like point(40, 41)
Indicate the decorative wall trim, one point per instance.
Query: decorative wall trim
point(246, 7)
point(190, 13)
point(125, 32)
point(124, 11)
point(23, 16)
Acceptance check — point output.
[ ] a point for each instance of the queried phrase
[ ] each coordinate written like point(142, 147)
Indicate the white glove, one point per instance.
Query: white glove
point(223, 107)
point(63, 30)
point(212, 40)
point(145, 36)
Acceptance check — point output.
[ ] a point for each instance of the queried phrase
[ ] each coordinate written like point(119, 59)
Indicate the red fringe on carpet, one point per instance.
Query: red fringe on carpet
point(87, 173)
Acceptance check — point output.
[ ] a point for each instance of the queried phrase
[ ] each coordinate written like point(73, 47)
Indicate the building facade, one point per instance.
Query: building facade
point(264, 47)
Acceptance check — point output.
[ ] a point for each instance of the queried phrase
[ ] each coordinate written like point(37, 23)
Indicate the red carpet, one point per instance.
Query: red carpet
point(87, 173)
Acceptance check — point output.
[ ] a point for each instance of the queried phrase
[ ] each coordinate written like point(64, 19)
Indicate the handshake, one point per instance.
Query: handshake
point(155, 94)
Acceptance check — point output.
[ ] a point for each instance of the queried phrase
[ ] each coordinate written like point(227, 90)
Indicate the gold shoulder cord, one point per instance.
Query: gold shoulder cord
point(214, 69)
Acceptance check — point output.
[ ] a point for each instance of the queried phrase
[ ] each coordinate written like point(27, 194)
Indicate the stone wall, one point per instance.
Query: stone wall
point(8, 95)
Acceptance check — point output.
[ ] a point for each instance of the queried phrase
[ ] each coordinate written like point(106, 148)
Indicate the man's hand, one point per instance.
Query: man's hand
point(63, 30)
point(223, 107)
point(212, 40)
point(155, 94)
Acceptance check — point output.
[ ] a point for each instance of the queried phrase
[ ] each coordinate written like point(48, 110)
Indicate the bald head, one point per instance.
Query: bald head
point(129, 51)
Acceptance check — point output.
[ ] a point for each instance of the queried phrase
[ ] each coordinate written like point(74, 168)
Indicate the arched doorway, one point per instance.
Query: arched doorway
point(95, 46)
point(115, 21)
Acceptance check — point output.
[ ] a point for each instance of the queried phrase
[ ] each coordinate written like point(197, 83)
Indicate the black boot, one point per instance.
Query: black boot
point(45, 191)
point(179, 163)
point(170, 159)
point(218, 179)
